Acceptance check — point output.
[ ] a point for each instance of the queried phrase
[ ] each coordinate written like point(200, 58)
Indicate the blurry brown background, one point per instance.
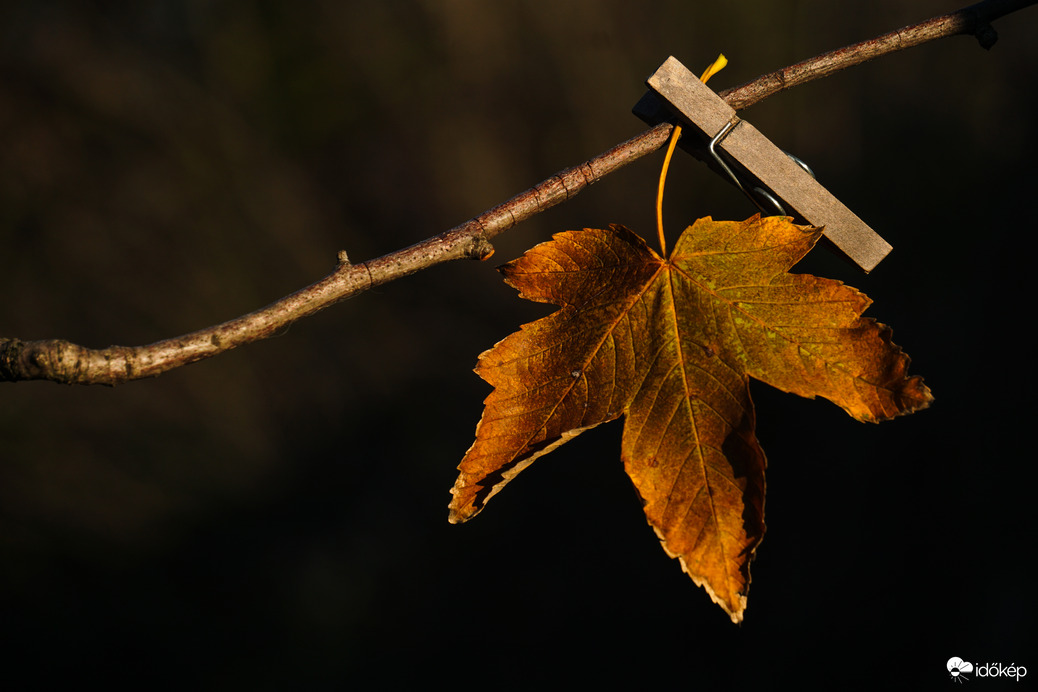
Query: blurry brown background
point(276, 516)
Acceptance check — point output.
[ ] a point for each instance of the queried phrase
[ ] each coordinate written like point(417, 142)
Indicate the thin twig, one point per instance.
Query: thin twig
point(973, 20)
point(62, 361)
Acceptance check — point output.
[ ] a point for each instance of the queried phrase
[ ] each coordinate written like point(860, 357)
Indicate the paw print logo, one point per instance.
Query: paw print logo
point(958, 668)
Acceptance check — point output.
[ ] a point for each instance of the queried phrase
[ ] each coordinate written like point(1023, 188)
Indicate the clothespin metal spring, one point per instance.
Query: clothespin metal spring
point(757, 192)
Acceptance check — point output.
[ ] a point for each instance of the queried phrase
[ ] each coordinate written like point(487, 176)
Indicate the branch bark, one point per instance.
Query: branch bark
point(62, 361)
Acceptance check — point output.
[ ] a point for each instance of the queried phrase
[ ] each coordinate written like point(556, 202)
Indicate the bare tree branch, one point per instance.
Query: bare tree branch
point(62, 361)
point(973, 20)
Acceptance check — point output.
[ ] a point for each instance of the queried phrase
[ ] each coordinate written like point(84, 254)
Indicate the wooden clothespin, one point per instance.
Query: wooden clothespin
point(793, 186)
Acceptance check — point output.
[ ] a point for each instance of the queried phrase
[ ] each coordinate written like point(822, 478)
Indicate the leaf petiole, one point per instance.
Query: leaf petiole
point(714, 67)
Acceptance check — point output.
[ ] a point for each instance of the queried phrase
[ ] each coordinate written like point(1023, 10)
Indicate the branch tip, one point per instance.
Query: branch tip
point(986, 35)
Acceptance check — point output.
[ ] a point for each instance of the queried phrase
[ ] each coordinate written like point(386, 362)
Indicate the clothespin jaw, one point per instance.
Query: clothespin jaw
point(755, 155)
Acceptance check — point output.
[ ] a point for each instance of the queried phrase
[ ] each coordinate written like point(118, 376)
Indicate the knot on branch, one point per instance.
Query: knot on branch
point(480, 249)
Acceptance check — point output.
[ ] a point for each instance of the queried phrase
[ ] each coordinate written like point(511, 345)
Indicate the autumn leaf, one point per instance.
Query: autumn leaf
point(671, 345)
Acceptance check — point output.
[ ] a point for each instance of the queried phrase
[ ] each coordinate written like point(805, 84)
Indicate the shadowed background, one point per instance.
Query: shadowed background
point(277, 516)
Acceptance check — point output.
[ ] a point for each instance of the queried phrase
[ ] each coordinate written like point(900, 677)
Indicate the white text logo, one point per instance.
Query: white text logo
point(959, 670)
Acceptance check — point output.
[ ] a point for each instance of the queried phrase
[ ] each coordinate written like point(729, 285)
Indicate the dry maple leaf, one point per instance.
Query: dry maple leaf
point(671, 345)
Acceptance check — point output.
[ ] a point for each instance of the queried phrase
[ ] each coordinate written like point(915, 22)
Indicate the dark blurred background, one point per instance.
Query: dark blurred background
point(276, 517)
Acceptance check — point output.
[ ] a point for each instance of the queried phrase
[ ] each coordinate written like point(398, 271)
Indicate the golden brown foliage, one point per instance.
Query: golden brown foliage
point(671, 344)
